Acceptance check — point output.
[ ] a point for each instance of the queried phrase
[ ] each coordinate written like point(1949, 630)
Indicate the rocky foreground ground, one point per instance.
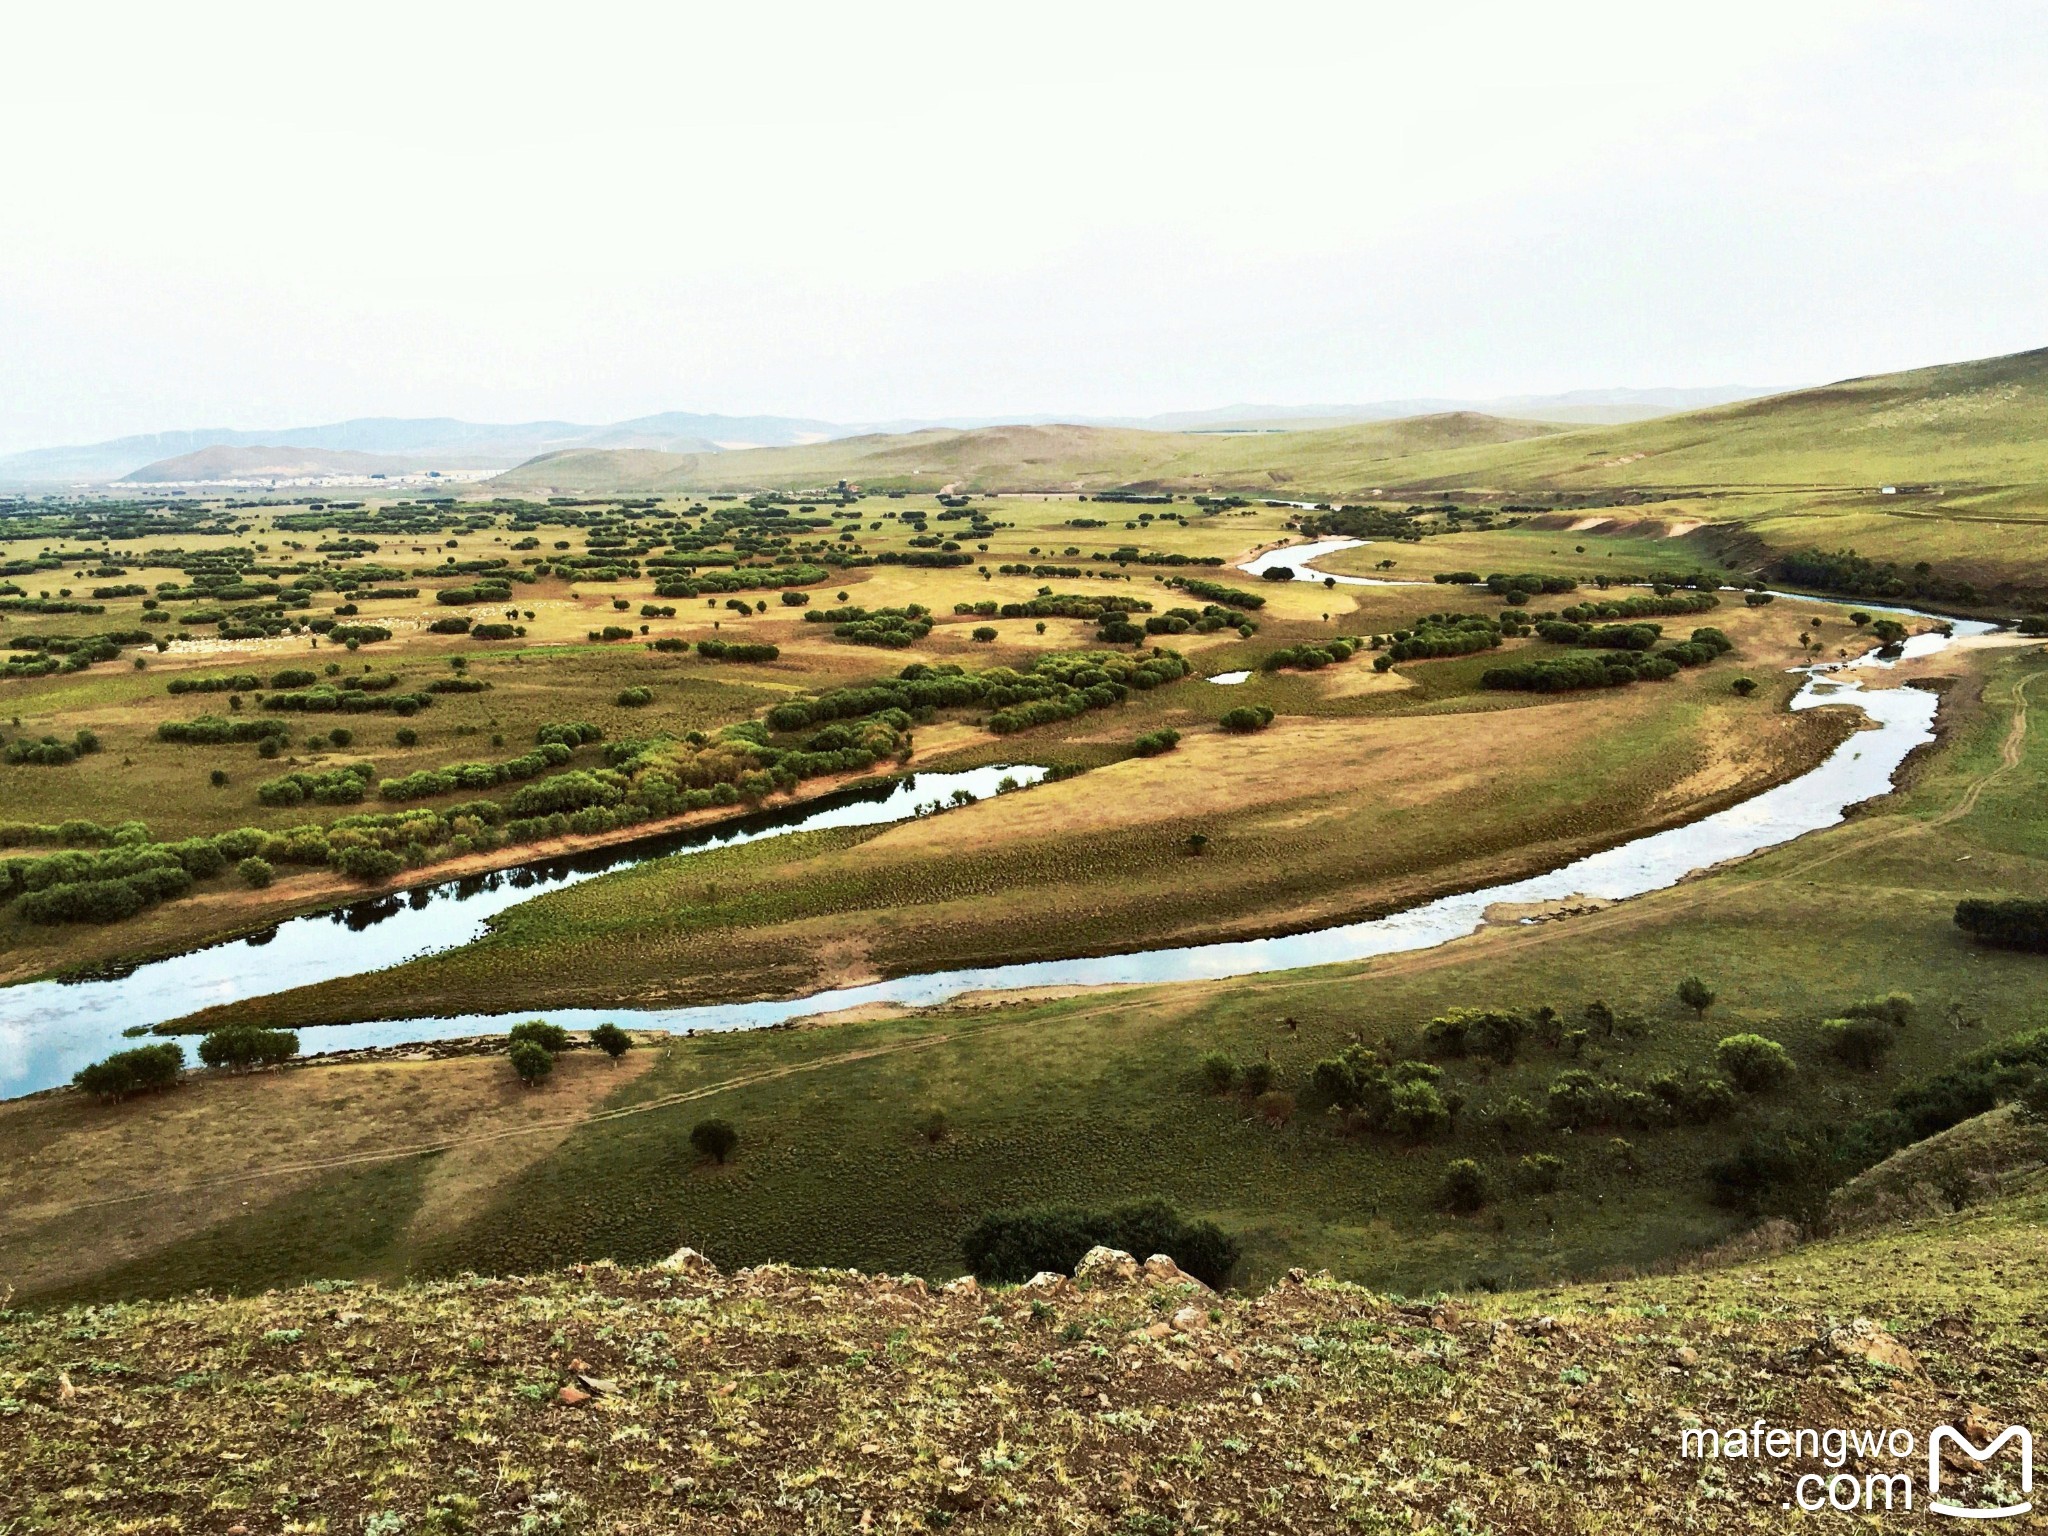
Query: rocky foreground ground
point(1129, 1399)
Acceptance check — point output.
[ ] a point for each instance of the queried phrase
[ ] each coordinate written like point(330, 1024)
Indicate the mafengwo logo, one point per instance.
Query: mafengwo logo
point(1944, 1435)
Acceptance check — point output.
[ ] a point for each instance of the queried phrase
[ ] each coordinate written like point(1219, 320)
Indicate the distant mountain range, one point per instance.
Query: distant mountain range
point(395, 446)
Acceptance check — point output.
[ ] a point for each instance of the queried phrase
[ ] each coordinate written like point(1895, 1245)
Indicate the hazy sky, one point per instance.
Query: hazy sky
point(273, 215)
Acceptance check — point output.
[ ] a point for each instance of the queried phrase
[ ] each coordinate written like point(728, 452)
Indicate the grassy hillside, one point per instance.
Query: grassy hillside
point(1966, 444)
point(656, 1399)
point(1962, 425)
point(1031, 458)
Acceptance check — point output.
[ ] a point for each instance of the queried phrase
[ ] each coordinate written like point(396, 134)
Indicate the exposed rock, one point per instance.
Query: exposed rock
point(1161, 1270)
point(1190, 1320)
point(1106, 1267)
point(570, 1397)
point(1864, 1340)
point(965, 1285)
point(1047, 1282)
point(690, 1262)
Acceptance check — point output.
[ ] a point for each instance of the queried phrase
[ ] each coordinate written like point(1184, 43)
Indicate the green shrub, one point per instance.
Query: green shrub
point(634, 698)
point(1861, 1044)
point(1257, 1078)
point(1540, 1173)
point(1464, 1186)
point(1894, 1008)
point(1418, 1111)
point(256, 873)
point(144, 1069)
point(1753, 1064)
point(2012, 923)
point(551, 1038)
point(715, 1139)
point(1154, 743)
point(1219, 1072)
point(1246, 718)
point(1013, 1245)
point(1514, 1120)
point(371, 865)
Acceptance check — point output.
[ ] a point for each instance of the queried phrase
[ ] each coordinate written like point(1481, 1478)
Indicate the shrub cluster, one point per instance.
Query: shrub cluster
point(1215, 592)
point(1012, 1246)
point(727, 650)
point(144, 1069)
point(2012, 922)
point(1313, 656)
point(49, 752)
point(429, 782)
point(218, 730)
point(241, 1046)
point(240, 682)
point(1440, 634)
point(345, 785)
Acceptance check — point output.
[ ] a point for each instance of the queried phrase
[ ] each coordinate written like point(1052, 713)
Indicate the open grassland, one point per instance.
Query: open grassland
point(1096, 1097)
point(234, 1143)
point(779, 1397)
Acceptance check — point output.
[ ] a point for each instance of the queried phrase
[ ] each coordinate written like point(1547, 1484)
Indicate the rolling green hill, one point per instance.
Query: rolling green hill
point(1962, 425)
point(1964, 444)
point(1037, 458)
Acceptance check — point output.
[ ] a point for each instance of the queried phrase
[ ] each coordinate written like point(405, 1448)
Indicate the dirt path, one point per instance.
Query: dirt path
point(2009, 752)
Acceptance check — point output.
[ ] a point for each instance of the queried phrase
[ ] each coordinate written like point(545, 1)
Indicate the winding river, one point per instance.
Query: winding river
point(49, 1029)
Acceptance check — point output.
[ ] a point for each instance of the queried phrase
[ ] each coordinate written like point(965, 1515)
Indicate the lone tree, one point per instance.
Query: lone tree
point(715, 1139)
point(612, 1040)
point(1464, 1186)
point(1754, 1064)
point(1696, 995)
point(531, 1061)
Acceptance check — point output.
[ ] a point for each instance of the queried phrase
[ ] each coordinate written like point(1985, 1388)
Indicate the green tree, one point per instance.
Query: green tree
point(1464, 1187)
point(1753, 1064)
point(612, 1040)
point(714, 1139)
point(530, 1060)
point(1696, 995)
